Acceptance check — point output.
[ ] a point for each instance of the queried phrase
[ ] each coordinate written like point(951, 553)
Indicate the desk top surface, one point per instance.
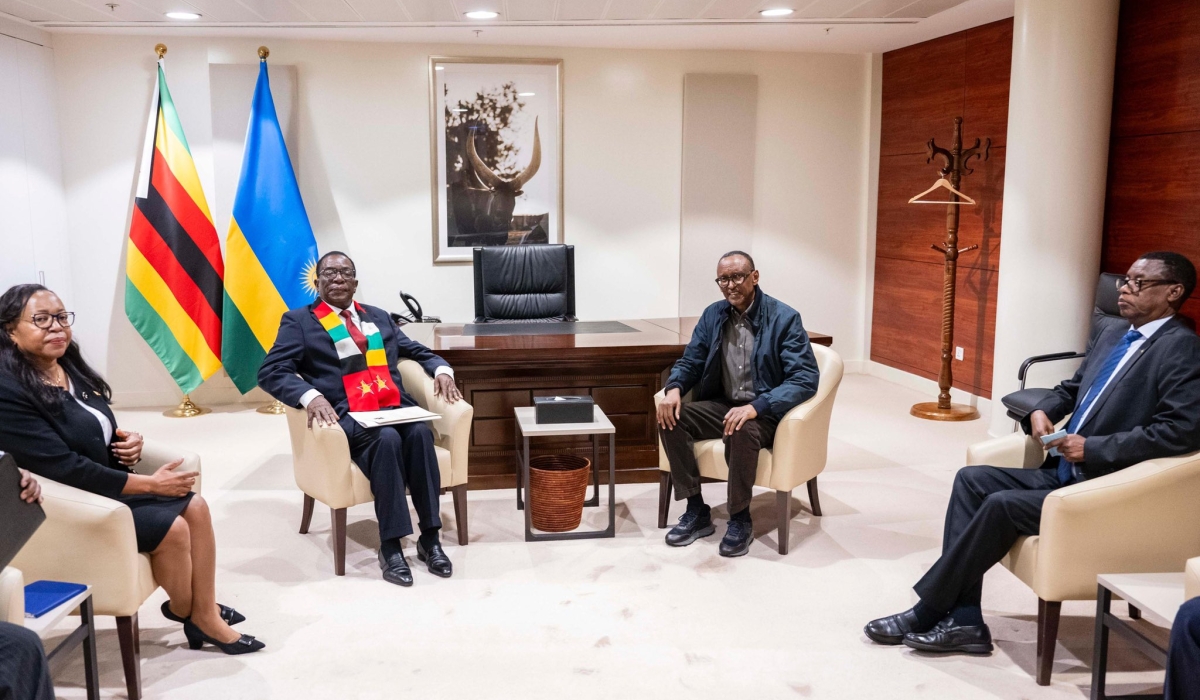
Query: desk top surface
point(646, 333)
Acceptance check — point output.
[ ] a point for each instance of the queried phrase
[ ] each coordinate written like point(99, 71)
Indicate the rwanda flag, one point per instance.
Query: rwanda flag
point(270, 251)
point(173, 262)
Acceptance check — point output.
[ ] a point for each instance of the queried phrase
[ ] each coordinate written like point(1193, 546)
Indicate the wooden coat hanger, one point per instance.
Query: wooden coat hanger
point(942, 182)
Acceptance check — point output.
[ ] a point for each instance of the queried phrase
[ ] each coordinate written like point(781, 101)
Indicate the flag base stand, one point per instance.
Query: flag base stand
point(952, 411)
point(275, 408)
point(186, 409)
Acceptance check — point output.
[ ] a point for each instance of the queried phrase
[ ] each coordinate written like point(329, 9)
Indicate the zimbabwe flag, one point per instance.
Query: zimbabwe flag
point(174, 272)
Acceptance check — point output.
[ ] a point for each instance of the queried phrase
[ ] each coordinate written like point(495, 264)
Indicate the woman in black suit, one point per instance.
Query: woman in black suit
point(55, 420)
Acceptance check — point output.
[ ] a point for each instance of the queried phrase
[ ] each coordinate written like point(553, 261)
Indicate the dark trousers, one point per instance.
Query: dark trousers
point(990, 507)
point(395, 458)
point(1183, 655)
point(24, 671)
point(702, 420)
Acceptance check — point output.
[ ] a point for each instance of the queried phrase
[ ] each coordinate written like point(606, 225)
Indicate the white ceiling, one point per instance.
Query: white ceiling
point(817, 25)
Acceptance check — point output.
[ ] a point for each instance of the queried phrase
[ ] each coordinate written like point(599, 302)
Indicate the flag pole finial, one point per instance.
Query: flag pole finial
point(263, 52)
point(161, 50)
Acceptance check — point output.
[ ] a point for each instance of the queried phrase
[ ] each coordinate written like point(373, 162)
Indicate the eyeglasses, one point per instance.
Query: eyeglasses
point(732, 280)
point(46, 321)
point(1137, 284)
point(330, 273)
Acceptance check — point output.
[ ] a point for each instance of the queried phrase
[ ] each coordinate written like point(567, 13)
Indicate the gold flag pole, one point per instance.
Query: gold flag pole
point(275, 408)
point(161, 50)
point(186, 409)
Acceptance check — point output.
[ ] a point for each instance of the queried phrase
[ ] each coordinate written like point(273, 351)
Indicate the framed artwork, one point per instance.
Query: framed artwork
point(496, 145)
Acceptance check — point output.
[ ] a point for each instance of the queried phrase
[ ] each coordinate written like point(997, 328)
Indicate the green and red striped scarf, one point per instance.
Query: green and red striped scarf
point(367, 378)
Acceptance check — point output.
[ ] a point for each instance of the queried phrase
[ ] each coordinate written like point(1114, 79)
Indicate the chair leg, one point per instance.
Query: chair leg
point(1041, 625)
point(783, 507)
point(460, 512)
point(1049, 637)
point(131, 648)
point(306, 515)
point(1134, 613)
point(813, 499)
point(339, 541)
point(664, 497)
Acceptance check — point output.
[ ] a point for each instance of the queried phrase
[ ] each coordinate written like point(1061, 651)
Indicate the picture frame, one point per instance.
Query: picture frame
point(496, 153)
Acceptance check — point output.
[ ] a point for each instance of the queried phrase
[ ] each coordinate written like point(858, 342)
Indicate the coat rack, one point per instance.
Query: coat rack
point(954, 167)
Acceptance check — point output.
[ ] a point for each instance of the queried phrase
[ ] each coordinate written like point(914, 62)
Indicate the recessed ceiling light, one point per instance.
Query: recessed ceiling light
point(439, 68)
point(482, 14)
point(183, 15)
point(526, 94)
point(777, 12)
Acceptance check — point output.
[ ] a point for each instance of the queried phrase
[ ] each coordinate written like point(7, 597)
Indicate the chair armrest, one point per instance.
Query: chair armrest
point(802, 437)
point(1017, 450)
point(12, 596)
point(89, 539)
point(1049, 357)
point(453, 430)
point(321, 460)
point(1142, 519)
point(1191, 579)
point(156, 454)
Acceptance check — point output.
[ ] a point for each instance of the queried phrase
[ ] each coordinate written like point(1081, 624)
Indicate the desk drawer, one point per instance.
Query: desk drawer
point(498, 403)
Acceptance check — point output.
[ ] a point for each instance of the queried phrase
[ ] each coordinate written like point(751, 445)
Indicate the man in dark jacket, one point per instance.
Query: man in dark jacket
point(1135, 397)
point(749, 362)
point(338, 356)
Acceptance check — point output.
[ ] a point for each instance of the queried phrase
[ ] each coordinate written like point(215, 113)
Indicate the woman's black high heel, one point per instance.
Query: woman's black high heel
point(228, 614)
point(197, 638)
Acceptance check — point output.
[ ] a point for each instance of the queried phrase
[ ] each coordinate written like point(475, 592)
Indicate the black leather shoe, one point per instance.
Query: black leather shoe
point(228, 614)
point(947, 637)
point(737, 539)
point(692, 526)
point(890, 630)
point(435, 558)
point(395, 569)
point(244, 644)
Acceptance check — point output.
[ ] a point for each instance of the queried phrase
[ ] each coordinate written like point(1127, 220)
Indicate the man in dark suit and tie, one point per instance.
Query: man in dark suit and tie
point(1135, 397)
point(337, 356)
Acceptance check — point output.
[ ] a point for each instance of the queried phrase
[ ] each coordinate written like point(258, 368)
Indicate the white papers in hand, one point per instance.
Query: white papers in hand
point(410, 414)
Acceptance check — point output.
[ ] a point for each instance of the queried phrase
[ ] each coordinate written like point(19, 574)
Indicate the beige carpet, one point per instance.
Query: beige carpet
point(615, 618)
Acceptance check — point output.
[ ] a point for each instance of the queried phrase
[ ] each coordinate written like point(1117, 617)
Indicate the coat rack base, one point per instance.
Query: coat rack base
point(957, 411)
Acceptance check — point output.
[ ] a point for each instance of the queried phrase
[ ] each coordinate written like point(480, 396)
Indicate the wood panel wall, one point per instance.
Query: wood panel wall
point(925, 86)
point(1153, 198)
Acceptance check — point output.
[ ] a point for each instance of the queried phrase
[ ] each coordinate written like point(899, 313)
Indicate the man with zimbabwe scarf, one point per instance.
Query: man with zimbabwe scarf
point(337, 356)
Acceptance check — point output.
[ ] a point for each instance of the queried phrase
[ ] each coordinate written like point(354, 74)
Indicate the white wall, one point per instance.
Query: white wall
point(33, 229)
point(362, 113)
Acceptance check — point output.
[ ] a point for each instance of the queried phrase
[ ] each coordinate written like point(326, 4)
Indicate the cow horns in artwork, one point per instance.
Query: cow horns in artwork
point(493, 180)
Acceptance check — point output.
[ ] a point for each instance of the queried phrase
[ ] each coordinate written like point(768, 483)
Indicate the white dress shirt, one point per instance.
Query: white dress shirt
point(1147, 330)
point(313, 393)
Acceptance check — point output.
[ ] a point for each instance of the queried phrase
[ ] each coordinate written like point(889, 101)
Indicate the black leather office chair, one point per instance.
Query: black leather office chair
point(1105, 315)
point(524, 283)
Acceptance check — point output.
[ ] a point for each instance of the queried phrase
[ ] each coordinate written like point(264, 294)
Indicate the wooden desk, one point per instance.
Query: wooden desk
point(621, 372)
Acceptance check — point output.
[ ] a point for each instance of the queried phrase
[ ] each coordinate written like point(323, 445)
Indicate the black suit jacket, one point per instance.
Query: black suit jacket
point(67, 446)
point(1151, 409)
point(305, 358)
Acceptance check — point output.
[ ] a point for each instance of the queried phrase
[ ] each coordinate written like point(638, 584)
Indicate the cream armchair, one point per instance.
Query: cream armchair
point(1191, 579)
point(89, 539)
point(12, 596)
point(325, 472)
point(797, 456)
point(1141, 519)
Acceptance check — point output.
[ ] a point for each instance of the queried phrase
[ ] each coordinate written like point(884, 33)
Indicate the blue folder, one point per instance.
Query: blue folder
point(43, 596)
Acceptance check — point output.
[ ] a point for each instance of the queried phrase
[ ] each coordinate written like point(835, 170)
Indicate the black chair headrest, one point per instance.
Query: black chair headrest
point(1106, 294)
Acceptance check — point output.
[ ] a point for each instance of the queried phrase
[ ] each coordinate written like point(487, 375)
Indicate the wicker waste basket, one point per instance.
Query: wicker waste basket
point(557, 490)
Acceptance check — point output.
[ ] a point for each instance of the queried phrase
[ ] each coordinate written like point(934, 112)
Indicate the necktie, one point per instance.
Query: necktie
point(1106, 370)
point(356, 335)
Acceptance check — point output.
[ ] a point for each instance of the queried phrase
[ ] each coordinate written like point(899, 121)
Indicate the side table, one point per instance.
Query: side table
point(1157, 596)
point(84, 635)
point(527, 427)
